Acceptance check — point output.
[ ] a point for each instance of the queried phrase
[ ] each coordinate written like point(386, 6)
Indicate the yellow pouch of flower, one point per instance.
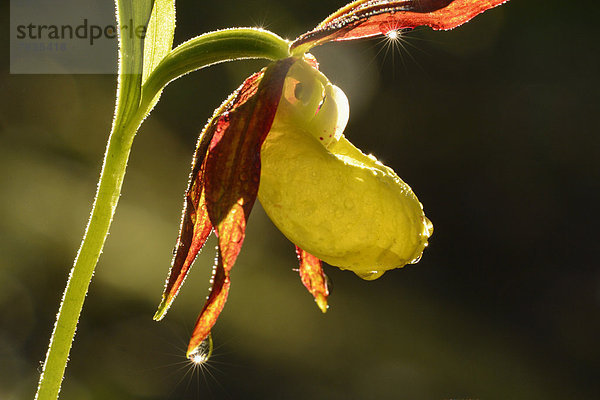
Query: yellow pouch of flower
point(325, 195)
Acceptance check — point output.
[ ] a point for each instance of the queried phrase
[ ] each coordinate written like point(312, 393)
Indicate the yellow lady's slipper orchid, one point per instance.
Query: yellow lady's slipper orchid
point(279, 137)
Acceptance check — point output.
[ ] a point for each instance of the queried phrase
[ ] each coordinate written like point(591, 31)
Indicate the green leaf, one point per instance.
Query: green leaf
point(134, 14)
point(159, 35)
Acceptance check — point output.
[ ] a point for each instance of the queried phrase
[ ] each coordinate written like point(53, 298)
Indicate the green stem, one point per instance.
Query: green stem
point(197, 53)
point(212, 48)
point(109, 189)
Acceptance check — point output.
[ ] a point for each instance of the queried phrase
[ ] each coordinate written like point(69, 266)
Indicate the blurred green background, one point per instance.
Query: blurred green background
point(495, 127)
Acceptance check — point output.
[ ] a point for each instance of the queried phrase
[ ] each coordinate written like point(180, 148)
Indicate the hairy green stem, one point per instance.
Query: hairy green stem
point(107, 196)
point(212, 48)
point(130, 112)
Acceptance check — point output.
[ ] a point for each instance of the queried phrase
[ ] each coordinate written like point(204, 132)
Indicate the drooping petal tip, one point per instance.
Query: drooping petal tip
point(313, 277)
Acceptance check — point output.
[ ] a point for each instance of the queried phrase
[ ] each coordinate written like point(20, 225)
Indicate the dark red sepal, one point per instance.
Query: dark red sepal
point(367, 18)
point(231, 178)
point(195, 225)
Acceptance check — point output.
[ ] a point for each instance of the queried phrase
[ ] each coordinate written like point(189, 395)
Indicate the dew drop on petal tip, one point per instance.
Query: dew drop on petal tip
point(202, 353)
point(392, 35)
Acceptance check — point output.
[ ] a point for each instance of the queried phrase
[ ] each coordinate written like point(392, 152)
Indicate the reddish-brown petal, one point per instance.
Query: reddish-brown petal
point(366, 18)
point(232, 174)
point(313, 277)
point(195, 223)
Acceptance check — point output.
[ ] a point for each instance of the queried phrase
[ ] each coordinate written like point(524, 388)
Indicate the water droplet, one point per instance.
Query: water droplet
point(202, 353)
point(416, 260)
point(392, 35)
point(328, 283)
point(428, 227)
point(370, 275)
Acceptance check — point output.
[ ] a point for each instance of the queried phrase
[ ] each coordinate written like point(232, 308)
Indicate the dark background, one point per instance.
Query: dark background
point(495, 127)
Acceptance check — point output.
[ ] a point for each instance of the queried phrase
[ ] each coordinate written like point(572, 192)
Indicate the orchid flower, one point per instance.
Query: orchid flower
point(279, 137)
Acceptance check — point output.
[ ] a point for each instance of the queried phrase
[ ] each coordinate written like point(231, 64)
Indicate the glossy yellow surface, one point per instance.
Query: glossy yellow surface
point(325, 195)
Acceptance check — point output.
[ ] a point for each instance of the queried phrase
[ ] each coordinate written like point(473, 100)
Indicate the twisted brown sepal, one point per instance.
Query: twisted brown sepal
point(231, 175)
point(313, 277)
point(195, 224)
point(367, 18)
